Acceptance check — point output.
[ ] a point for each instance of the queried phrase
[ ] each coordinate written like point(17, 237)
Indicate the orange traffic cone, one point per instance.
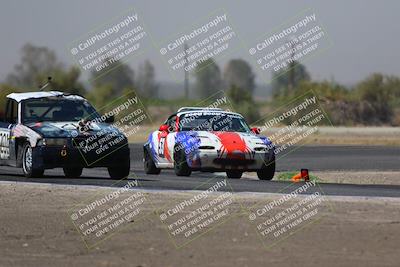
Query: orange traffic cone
point(300, 176)
point(304, 175)
point(296, 178)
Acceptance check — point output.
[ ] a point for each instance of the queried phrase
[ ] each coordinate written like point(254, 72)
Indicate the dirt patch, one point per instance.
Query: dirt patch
point(36, 230)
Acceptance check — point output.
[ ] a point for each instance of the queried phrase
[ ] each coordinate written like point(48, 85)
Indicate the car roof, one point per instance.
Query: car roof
point(32, 95)
point(182, 109)
point(189, 110)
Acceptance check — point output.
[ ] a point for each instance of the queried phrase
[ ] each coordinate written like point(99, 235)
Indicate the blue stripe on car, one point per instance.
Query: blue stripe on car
point(190, 141)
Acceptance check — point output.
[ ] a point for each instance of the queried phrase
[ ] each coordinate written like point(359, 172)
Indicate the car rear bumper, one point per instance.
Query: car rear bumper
point(45, 157)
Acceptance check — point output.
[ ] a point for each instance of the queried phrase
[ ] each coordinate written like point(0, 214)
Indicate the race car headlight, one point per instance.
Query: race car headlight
point(206, 139)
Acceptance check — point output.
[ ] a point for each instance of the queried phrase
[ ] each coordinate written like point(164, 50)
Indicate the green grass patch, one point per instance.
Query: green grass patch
point(287, 176)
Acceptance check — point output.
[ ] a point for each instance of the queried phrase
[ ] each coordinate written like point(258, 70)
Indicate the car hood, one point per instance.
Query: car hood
point(69, 129)
point(228, 140)
point(232, 138)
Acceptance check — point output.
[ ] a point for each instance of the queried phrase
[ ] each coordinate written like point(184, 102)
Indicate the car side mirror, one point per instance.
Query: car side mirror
point(164, 128)
point(255, 130)
point(109, 119)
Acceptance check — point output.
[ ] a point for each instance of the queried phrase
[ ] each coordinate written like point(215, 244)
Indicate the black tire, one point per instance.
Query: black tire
point(72, 172)
point(149, 165)
point(120, 172)
point(181, 167)
point(234, 174)
point(20, 150)
point(27, 163)
point(267, 172)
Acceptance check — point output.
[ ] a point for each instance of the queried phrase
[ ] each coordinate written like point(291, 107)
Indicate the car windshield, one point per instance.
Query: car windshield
point(208, 121)
point(60, 110)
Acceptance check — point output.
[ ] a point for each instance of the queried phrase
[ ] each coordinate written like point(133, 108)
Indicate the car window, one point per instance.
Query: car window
point(207, 121)
point(57, 110)
point(171, 122)
point(12, 112)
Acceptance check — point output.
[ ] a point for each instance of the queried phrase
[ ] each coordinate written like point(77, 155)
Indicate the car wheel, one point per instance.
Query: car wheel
point(27, 163)
point(149, 165)
point(120, 172)
point(180, 164)
point(234, 174)
point(72, 172)
point(267, 172)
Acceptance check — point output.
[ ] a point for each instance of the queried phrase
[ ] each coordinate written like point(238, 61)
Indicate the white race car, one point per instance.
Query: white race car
point(210, 140)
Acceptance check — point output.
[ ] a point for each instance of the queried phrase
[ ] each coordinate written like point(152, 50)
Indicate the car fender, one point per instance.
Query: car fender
point(189, 142)
point(23, 132)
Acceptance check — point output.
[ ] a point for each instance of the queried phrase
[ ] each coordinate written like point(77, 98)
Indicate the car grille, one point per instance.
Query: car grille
point(228, 161)
point(77, 141)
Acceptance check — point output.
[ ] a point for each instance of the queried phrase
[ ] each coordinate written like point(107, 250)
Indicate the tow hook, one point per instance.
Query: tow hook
point(64, 151)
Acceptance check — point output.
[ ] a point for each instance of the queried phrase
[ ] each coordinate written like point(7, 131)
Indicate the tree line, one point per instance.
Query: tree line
point(38, 63)
point(373, 101)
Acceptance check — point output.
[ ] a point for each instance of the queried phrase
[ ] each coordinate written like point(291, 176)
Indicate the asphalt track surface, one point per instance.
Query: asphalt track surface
point(315, 158)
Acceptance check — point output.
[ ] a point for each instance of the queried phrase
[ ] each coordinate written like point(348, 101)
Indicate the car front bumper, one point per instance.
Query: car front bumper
point(211, 161)
point(48, 157)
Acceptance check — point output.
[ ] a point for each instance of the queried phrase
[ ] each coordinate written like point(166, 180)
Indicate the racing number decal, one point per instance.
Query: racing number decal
point(4, 145)
point(161, 147)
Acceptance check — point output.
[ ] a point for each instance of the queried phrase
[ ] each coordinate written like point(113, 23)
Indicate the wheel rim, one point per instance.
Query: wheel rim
point(27, 162)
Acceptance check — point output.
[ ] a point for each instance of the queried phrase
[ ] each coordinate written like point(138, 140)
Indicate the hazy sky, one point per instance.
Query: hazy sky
point(365, 34)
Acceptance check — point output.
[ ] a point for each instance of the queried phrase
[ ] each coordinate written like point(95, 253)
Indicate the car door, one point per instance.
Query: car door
point(166, 141)
point(8, 122)
point(170, 138)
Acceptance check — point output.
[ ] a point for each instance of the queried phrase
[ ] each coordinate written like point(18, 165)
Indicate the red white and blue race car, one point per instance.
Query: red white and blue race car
point(210, 140)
